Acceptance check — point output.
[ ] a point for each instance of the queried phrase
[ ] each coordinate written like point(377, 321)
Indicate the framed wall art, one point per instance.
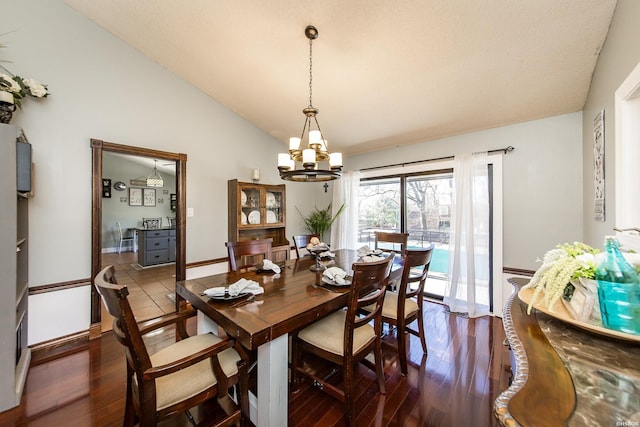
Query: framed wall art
point(135, 196)
point(598, 166)
point(106, 187)
point(149, 196)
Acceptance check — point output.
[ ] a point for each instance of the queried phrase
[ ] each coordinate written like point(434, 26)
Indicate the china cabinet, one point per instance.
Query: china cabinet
point(14, 259)
point(257, 211)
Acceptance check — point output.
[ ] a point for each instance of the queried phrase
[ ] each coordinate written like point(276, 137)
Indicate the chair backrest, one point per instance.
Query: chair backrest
point(125, 327)
point(119, 231)
point(300, 243)
point(248, 253)
point(414, 258)
point(171, 221)
point(368, 286)
point(152, 223)
point(393, 238)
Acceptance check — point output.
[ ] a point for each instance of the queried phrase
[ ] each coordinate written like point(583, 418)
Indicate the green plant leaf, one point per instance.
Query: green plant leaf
point(319, 220)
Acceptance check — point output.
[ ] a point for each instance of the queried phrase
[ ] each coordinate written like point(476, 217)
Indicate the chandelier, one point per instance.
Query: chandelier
point(314, 163)
point(154, 179)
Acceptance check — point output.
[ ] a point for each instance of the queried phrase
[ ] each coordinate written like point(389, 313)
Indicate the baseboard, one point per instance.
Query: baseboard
point(58, 347)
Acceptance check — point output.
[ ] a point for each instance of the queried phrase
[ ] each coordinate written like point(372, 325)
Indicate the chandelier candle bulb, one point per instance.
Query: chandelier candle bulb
point(284, 161)
point(294, 143)
point(308, 157)
point(315, 138)
point(335, 160)
point(255, 175)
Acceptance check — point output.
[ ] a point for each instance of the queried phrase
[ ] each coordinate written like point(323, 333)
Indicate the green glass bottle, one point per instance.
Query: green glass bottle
point(618, 290)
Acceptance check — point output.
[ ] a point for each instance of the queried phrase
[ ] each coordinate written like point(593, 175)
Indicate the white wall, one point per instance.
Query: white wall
point(619, 56)
point(102, 88)
point(542, 183)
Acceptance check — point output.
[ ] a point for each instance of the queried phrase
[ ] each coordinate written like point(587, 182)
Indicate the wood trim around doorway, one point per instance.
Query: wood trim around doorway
point(98, 147)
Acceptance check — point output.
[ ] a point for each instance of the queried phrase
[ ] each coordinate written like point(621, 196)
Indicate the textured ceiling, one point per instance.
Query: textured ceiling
point(385, 73)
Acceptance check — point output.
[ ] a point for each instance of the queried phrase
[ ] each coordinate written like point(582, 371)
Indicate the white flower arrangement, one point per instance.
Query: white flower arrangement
point(559, 266)
point(15, 88)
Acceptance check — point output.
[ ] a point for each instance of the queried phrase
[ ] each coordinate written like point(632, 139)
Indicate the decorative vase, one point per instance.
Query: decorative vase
point(7, 107)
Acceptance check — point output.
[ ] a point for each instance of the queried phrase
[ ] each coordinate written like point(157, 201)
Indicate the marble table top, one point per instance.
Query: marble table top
point(605, 373)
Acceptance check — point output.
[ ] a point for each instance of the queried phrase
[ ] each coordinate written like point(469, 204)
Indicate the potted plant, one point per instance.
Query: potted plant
point(319, 220)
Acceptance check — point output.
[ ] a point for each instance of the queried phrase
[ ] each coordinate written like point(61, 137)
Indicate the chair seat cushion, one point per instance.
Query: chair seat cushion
point(328, 334)
point(390, 306)
point(190, 381)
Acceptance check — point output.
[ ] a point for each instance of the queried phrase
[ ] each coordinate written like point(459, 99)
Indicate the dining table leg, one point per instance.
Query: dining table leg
point(273, 387)
point(269, 408)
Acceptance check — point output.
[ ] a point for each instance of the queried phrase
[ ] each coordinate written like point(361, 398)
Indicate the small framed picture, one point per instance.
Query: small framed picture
point(106, 187)
point(135, 196)
point(149, 196)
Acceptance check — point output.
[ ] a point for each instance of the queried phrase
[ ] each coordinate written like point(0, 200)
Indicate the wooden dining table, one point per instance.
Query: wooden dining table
point(292, 299)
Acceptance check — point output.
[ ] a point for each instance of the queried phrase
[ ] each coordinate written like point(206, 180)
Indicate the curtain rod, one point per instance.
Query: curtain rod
point(498, 150)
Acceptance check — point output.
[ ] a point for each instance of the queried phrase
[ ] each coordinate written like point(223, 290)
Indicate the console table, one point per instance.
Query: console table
point(156, 246)
point(563, 375)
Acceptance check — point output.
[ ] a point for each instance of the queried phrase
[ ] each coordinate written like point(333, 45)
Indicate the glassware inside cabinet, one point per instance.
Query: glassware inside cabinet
point(273, 201)
point(250, 202)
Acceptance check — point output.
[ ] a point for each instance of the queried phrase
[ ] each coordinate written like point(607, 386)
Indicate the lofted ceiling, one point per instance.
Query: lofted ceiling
point(385, 73)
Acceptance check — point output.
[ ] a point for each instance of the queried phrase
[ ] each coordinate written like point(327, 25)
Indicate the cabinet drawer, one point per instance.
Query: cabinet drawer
point(156, 257)
point(150, 234)
point(156, 243)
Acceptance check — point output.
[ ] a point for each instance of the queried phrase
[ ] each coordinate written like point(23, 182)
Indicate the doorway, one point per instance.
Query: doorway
point(99, 147)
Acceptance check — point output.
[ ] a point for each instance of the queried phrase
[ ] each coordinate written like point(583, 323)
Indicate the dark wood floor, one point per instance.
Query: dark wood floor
point(455, 385)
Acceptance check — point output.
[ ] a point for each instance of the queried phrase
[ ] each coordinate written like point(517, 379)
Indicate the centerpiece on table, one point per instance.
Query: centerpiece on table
point(319, 250)
point(568, 274)
point(565, 270)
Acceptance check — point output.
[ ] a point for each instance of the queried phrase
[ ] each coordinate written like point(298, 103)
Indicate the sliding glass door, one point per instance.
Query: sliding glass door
point(418, 204)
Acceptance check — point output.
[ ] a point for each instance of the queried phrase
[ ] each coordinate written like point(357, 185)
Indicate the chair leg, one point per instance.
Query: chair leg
point(129, 411)
point(295, 361)
point(348, 373)
point(402, 346)
point(421, 332)
point(379, 368)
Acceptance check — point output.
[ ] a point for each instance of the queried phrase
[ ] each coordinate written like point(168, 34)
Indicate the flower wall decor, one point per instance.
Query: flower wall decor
point(13, 89)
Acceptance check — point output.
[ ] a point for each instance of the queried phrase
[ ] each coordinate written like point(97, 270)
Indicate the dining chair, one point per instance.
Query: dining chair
point(248, 253)
point(347, 336)
point(391, 241)
point(300, 243)
point(152, 223)
point(124, 239)
point(403, 307)
point(182, 375)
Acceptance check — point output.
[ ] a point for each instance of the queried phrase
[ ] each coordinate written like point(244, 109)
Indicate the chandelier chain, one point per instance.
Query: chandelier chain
point(310, 71)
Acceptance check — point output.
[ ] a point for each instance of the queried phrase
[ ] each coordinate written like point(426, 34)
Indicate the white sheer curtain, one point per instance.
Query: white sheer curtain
point(468, 284)
point(344, 231)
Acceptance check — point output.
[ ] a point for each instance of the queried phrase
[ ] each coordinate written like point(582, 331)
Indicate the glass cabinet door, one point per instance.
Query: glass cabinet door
point(274, 201)
point(251, 203)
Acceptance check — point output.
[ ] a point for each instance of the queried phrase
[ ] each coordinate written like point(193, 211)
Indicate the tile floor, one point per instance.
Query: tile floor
point(148, 287)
